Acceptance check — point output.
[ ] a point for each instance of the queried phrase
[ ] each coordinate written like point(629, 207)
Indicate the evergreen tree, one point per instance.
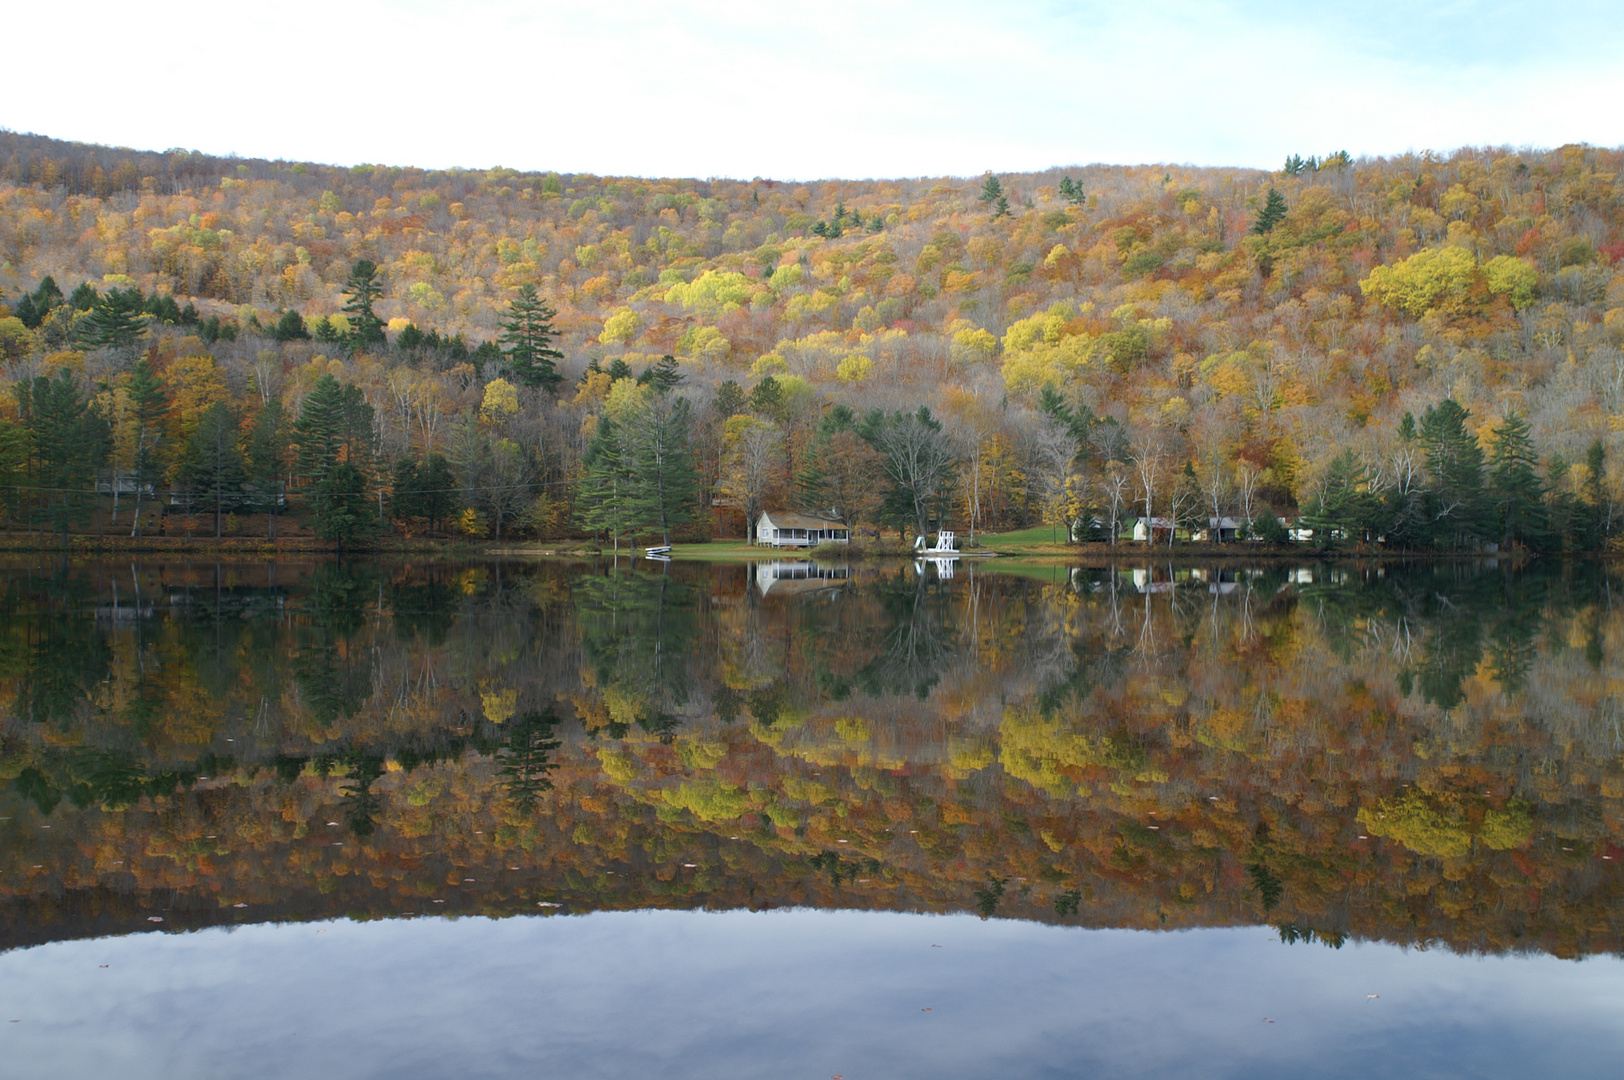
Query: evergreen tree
point(1455, 469)
point(290, 327)
point(317, 430)
point(267, 461)
point(767, 398)
point(1000, 208)
point(603, 497)
point(84, 297)
point(436, 490)
point(1072, 191)
point(487, 355)
point(1272, 214)
point(149, 407)
point(729, 400)
point(212, 466)
point(658, 453)
point(991, 189)
point(362, 290)
point(528, 334)
point(663, 375)
point(117, 321)
point(1343, 508)
point(344, 506)
point(1517, 496)
point(409, 339)
point(71, 439)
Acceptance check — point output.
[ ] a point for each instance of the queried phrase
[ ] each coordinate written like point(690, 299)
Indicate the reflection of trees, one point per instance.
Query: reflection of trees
point(53, 651)
point(639, 636)
point(333, 682)
point(361, 802)
point(525, 758)
point(918, 645)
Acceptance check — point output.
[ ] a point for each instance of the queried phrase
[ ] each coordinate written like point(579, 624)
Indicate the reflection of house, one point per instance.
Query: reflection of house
point(798, 577)
point(1157, 529)
point(777, 528)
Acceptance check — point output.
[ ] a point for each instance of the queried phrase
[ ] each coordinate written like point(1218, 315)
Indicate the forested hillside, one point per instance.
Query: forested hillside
point(1418, 351)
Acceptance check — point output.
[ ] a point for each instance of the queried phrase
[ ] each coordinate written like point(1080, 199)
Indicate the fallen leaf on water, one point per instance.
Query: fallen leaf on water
point(332, 823)
point(1372, 995)
point(239, 905)
point(155, 918)
point(924, 1010)
point(1266, 1020)
point(104, 965)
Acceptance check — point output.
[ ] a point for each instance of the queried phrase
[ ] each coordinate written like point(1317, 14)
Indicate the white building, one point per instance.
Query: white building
point(781, 529)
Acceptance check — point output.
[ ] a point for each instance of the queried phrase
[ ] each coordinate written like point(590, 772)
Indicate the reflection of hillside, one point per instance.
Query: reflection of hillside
point(1425, 754)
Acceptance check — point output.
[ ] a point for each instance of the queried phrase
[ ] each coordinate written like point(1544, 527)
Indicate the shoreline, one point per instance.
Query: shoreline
point(1245, 552)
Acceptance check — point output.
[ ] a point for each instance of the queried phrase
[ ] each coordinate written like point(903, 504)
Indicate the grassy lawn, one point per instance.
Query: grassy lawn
point(1026, 541)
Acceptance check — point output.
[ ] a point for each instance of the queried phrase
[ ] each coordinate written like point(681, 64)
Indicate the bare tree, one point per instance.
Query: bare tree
point(1057, 450)
point(919, 460)
point(1114, 487)
point(1148, 452)
point(752, 455)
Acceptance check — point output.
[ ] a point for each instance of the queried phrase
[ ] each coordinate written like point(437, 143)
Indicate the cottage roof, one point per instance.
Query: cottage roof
point(785, 519)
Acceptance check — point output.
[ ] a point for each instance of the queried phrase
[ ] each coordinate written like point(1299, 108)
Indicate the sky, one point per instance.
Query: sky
point(840, 88)
point(847, 994)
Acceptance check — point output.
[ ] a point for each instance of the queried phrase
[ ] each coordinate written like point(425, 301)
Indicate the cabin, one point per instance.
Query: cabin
point(1156, 529)
point(1225, 530)
point(781, 529)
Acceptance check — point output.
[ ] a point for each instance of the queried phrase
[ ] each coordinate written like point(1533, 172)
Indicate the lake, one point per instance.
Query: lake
point(784, 819)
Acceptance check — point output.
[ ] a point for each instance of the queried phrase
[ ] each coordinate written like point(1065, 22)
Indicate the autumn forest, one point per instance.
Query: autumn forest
point(1410, 353)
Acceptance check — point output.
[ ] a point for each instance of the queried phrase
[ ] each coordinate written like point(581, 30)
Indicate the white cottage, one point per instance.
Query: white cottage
point(781, 529)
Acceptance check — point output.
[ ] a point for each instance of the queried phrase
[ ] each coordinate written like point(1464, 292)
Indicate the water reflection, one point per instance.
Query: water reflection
point(1413, 753)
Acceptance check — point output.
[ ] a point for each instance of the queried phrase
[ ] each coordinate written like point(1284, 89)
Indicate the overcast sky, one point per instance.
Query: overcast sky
point(850, 88)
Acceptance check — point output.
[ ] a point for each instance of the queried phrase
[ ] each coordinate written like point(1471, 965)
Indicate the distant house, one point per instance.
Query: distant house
point(782, 529)
point(1224, 530)
point(1157, 529)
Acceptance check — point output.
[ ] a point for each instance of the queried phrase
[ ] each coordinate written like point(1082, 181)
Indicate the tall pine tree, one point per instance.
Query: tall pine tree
point(1517, 495)
point(527, 335)
point(362, 290)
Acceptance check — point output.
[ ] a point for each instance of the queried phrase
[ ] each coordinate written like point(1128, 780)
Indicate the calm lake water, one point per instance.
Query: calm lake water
point(895, 820)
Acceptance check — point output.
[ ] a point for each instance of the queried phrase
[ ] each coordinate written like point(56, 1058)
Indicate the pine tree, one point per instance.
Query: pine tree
point(1000, 208)
point(319, 431)
point(1515, 490)
point(362, 291)
point(71, 439)
point(267, 458)
point(344, 507)
point(1272, 214)
point(149, 407)
point(1072, 191)
point(1344, 507)
point(117, 321)
point(528, 334)
point(290, 327)
point(991, 189)
point(658, 454)
point(1455, 469)
point(603, 497)
point(213, 465)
